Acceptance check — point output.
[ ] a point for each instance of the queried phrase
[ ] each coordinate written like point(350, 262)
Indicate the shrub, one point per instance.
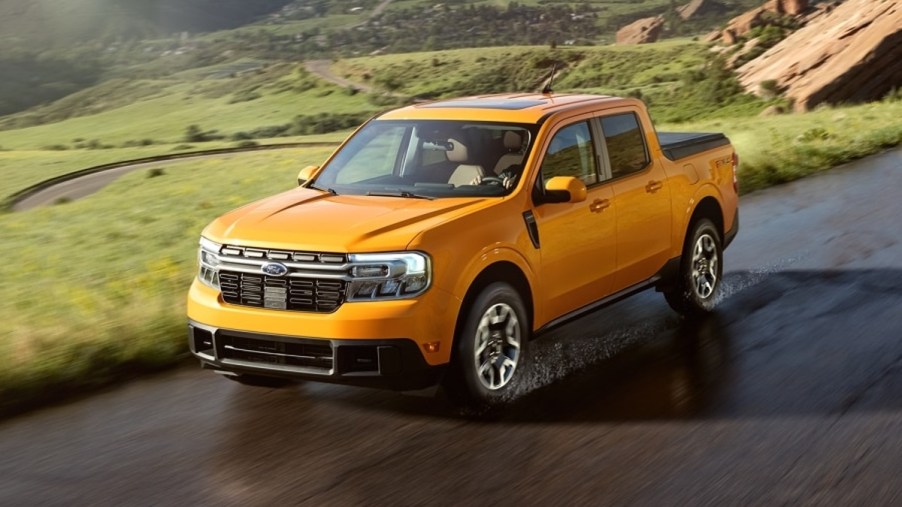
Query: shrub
point(769, 88)
point(244, 96)
point(195, 134)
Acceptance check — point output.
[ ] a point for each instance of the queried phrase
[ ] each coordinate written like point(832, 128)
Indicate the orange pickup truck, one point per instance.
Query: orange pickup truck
point(440, 238)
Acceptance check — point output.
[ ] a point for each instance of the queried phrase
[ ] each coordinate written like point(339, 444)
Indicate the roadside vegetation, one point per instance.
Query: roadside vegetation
point(97, 289)
point(779, 149)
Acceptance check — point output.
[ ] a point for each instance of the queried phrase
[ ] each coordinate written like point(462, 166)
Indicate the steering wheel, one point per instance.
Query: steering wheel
point(491, 180)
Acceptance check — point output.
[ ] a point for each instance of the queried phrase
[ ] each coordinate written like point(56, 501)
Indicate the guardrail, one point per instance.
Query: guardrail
point(7, 204)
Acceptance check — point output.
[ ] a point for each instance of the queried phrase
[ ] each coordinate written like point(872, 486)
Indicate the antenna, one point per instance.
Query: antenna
point(547, 88)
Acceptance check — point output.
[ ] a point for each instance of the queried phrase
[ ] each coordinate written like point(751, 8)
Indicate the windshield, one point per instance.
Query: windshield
point(429, 159)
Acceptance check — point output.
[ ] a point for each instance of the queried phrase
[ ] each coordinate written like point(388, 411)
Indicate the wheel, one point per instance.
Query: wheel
point(259, 380)
point(698, 281)
point(490, 350)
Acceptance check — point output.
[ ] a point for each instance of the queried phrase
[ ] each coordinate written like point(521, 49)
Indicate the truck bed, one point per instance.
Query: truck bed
point(677, 145)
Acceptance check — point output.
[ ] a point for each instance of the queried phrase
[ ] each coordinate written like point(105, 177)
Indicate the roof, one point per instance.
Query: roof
point(516, 108)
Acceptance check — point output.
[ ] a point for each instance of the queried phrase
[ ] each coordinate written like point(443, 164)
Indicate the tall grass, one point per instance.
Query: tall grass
point(94, 289)
point(779, 149)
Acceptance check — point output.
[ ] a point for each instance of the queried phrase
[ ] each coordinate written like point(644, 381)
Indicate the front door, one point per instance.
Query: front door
point(578, 240)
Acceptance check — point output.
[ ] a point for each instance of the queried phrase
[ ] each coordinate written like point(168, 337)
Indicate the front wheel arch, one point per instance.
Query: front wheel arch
point(502, 271)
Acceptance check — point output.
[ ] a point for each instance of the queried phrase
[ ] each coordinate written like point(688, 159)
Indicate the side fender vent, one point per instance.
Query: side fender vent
point(532, 228)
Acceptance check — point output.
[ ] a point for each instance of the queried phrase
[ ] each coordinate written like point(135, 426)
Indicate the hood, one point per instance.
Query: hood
point(309, 220)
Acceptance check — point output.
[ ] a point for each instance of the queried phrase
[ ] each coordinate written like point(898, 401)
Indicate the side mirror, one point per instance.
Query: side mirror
point(564, 189)
point(306, 173)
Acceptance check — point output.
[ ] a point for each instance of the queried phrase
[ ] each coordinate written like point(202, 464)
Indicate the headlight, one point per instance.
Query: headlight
point(208, 260)
point(388, 275)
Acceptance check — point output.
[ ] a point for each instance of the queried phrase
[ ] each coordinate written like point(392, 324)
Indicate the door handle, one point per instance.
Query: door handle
point(598, 205)
point(653, 186)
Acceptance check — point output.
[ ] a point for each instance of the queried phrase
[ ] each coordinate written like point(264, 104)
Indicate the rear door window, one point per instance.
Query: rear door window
point(625, 143)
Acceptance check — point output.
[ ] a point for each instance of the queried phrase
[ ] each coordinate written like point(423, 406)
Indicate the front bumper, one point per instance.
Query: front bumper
point(426, 320)
point(389, 364)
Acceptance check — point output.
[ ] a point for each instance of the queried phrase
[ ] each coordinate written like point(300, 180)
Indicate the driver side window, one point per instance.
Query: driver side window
point(571, 153)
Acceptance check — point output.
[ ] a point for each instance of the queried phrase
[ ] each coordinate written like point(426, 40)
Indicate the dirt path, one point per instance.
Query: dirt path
point(322, 68)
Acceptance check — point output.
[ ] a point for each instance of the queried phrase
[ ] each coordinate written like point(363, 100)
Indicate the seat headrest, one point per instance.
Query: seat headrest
point(513, 140)
point(458, 152)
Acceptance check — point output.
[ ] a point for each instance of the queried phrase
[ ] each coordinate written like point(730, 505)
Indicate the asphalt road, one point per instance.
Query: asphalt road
point(88, 184)
point(790, 394)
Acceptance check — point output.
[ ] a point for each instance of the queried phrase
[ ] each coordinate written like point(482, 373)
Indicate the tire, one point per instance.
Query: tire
point(490, 350)
point(259, 380)
point(701, 270)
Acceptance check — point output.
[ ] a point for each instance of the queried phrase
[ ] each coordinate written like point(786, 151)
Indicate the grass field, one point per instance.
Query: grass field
point(521, 68)
point(100, 283)
point(228, 105)
point(676, 76)
point(778, 149)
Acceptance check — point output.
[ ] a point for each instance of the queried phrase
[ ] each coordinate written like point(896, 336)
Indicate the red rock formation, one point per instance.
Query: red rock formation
point(791, 7)
point(690, 9)
point(851, 53)
point(642, 31)
point(743, 24)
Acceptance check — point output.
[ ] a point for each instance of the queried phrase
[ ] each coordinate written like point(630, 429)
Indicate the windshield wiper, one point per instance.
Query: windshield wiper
point(401, 193)
point(330, 190)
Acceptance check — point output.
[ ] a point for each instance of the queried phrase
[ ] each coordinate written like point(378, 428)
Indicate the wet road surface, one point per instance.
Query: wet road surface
point(790, 394)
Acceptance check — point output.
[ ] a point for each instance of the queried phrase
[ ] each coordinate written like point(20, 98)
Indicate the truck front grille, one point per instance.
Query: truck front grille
point(312, 281)
point(299, 294)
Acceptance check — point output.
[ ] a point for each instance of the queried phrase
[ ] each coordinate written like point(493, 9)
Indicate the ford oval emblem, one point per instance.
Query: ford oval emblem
point(275, 269)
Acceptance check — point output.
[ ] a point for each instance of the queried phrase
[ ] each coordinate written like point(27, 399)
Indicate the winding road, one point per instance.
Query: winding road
point(80, 184)
point(791, 393)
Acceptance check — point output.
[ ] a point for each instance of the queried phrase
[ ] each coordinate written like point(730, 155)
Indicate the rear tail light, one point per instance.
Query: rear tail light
point(736, 172)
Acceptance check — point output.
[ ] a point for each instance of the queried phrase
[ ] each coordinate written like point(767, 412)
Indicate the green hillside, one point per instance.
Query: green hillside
point(54, 48)
point(271, 100)
point(64, 22)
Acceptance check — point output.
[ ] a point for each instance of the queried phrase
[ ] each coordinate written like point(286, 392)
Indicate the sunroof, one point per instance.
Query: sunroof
point(509, 104)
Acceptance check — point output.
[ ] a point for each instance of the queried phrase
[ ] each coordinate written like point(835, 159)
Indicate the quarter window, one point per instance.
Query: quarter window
point(571, 153)
point(626, 147)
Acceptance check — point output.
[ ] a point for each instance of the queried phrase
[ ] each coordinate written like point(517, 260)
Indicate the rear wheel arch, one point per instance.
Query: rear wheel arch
point(708, 208)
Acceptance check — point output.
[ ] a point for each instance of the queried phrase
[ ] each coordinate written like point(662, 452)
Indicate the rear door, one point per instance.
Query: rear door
point(641, 195)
